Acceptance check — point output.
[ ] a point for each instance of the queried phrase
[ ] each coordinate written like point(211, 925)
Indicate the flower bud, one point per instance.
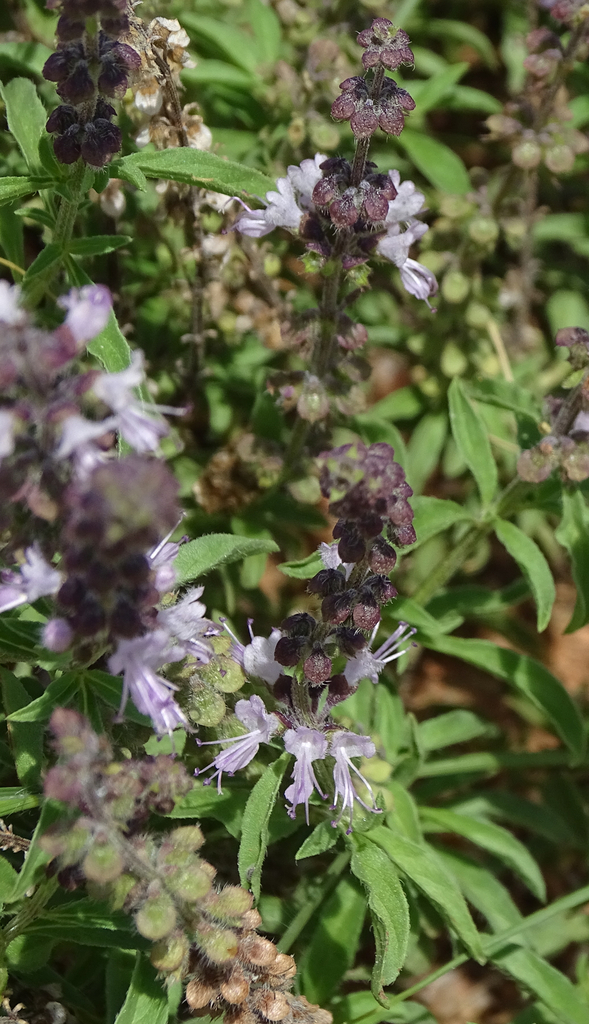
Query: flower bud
point(283, 967)
point(189, 883)
point(382, 557)
point(156, 918)
point(272, 1005)
point(366, 615)
point(103, 863)
point(189, 837)
point(313, 403)
point(317, 667)
point(288, 650)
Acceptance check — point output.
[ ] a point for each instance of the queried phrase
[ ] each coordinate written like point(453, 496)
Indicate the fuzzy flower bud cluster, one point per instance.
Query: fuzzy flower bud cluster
point(310, 663)
point(203, 935)
point(566, 446)
point(90, 67)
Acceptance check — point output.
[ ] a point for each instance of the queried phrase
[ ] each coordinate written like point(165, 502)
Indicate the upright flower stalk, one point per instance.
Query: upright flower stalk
point(346, 213)
point(312, 663)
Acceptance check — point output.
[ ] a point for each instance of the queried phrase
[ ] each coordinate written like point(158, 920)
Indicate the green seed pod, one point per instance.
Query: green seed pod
point(455, 287)
point(323, 135)
point(169, 954)
point(453, 362)
point(455, 207)
point(189, 837)
point(219, 944)
point(189, 883)
point(156, 918)
point(103, 863)
point(483, 230)
point(223, 673)
point(296, 131)
point(206, 706)
point(272, 264)
point(230, 904)
point(527, 155)
point(120, 890)
point(477, 315)
point(76, 842)
point(559, 159)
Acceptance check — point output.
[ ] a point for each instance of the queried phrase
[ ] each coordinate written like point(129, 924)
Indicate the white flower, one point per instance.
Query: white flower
point(344, 746)
point(331, 560)
point(285, 207)
point(307, 745)
point(262, 726)
point(77, 434)
point(186, 624)
point(140, 430)
point(35, 578)
point(6, 433)
point(258, 657)
point(11, 312)
point(418, 280)
point(88, 311)
point(367, 665)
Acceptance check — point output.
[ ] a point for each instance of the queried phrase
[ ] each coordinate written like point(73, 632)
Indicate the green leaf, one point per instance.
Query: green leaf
point(304, 568)
point(86, 922)
point(472, 440)
point(425, 448)
point(12, 237)
point(59, 693)
point(26, 740)
point(14, 799)
point(537, 818)
point(388, 908)
point(491, 837)
point(442, 167)
point(97, 245)
point(463, 32)
point(238, 46)
point(15, 187)
point(534, 566)
point(32, 870)
point(421, 865)
point(217, 72)
point(146, 1001)
point(128, 172)
point(334, 943)
point(26, 117)
point(506, 395)
point(438, 86)
point(205, 802)
point(26, 56)
point(47, 258)
point(573, 533)
point(458, 726)
point(322, 838)
point(204, 554)
point(8, 877)
point(266, 26)
point(433, 515)
point(111, 347)
point(549, 985)
point(544, 690)
point(464, 97)
point(483, 890)
point(254, 826)
point(19, 640)
point(203, 170)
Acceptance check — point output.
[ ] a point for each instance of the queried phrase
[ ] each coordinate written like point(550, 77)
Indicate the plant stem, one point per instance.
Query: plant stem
point(304, 915)
point(78, 184)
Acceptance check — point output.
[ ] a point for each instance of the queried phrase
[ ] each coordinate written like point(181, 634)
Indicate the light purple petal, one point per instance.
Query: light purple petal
point(307, 745)
point(254, 224)
point(88, 310)
point(418, 280)
point(258, 657)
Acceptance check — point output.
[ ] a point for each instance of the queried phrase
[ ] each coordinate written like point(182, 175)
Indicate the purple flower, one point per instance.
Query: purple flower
point(10, 310)
point(137, 660)
point(307, 745)
point(136, 426)
point(367, 665)
point(242, 749)
point(257, 657)
point(77, 437)
point(186, 624)
point(284, 208)
point(418, 280)
point(57, 635)
point(35, 578)
point(88, 310)
point(344, 746)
